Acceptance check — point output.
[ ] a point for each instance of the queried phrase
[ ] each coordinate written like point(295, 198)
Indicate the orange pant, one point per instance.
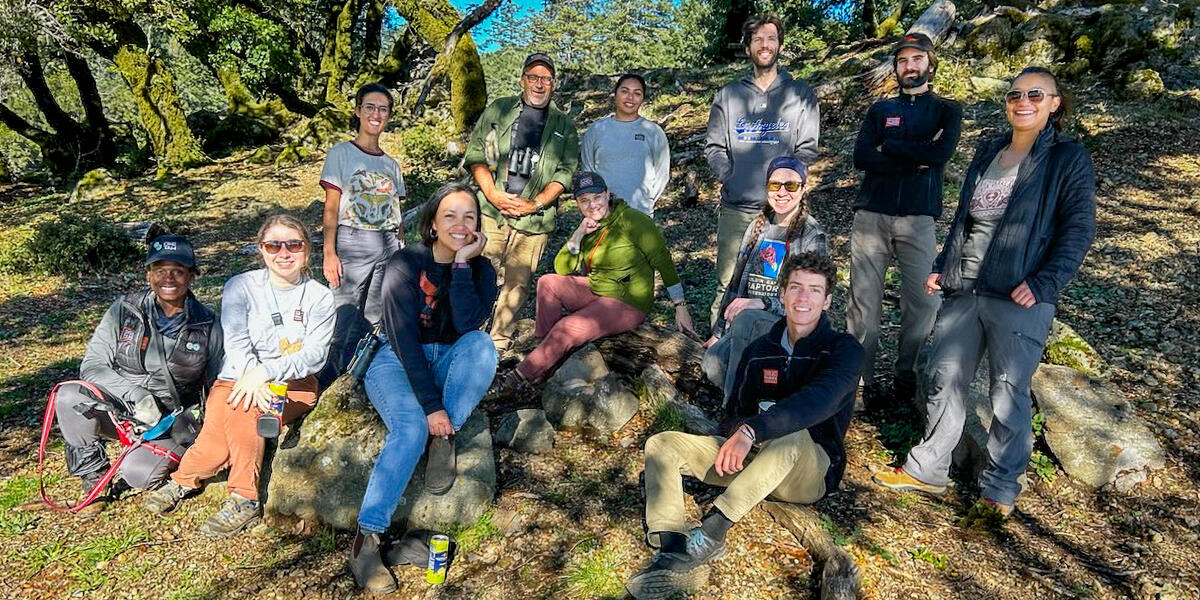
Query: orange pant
point(229, 438)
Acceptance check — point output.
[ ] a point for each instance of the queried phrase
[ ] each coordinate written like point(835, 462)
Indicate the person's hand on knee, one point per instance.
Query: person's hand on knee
point(439, 423)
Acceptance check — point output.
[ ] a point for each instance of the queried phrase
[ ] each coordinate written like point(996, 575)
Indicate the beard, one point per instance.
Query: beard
point(770, 62)
point(911, 80)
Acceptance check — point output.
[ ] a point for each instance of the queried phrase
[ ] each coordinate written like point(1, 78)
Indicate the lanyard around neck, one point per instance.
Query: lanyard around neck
point(277, 316)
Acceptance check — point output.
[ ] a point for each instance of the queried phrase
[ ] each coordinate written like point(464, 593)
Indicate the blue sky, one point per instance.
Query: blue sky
point(394, 20)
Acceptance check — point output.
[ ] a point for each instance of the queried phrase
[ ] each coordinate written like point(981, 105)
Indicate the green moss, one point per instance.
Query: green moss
point(432, 20)
point(154, 93)
point(1067, 348)
point(262, 156)
point(1144, 84)
point(336, 61)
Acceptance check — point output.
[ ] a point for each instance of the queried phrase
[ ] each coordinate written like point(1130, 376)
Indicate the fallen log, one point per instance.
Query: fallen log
point(839, 573)
point(142, 231)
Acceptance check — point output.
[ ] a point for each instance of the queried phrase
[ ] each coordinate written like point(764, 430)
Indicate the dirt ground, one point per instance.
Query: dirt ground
point(569, 525)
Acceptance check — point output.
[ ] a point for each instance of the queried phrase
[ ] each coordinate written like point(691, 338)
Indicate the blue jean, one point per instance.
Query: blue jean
point(463, 370)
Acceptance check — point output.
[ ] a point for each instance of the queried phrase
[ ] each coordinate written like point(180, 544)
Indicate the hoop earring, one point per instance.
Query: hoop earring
point(433, 233)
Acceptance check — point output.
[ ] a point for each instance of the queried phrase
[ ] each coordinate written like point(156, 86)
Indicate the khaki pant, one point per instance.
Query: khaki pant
point(791, 468)
point(874, 240)
point(514, 254)
point(229, 438)
point(731, 226)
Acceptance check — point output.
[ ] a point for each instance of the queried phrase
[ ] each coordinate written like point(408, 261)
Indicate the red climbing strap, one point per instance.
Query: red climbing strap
point(129, 440)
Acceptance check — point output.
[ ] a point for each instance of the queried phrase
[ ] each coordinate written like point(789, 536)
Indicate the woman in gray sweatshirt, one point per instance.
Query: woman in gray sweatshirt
point(277, 322)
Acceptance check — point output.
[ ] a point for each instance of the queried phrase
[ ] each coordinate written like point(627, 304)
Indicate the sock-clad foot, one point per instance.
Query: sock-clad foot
point(166, 498)
point(899, 480)
point(236, 514)
point(706, 543)
point(367, 566)
point(441, 465)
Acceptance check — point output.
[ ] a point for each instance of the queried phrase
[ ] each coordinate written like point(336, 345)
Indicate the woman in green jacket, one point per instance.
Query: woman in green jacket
point(603, 279)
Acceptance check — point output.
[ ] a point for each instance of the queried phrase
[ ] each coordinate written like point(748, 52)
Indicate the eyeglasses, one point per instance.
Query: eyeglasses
point(274, 246)
point(382, 109)
point(1036, 95)
point(791, 186)
point(542, 79)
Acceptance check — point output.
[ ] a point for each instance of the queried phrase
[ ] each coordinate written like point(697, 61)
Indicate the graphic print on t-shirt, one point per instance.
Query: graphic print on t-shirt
point(764, 266)
point(991, 197)
point(371, 198)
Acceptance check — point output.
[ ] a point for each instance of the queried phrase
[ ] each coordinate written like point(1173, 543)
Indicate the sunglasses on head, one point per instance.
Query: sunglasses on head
point(791, 186)
point(1036, 95)
point(274, 246)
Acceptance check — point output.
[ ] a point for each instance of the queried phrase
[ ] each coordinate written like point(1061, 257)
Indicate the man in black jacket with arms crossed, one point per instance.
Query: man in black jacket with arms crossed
point(902, 148)
point(792, 399)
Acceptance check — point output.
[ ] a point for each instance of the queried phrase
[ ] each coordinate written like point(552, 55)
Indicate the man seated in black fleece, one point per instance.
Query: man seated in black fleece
point(792, 399)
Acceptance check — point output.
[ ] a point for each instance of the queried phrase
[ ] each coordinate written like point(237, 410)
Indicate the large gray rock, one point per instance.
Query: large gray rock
point(526, 430)
point(583, 394)
point(1092, 430)
point(323, 478)
point(658, 388)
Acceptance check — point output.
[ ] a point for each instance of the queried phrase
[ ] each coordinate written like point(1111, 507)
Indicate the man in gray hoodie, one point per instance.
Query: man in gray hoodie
point(753, 120)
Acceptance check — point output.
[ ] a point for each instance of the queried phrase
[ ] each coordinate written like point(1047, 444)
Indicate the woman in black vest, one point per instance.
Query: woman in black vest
point(122, 374)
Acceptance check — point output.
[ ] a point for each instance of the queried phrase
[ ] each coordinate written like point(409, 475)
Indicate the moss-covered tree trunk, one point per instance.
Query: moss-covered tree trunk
point(374, 30)
point(335, 61)
point(271, 112)
point(157, 100)
point(432, 20)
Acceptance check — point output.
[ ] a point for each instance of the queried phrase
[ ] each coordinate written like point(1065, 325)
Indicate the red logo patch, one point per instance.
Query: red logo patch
point(892, 122)
point(770, 376)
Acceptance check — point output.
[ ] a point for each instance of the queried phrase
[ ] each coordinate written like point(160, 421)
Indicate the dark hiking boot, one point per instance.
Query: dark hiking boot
point(668, 575)
point(236, 514)
point(441, 465)
point(166, 498)
point(511, 385)
point(366, 565)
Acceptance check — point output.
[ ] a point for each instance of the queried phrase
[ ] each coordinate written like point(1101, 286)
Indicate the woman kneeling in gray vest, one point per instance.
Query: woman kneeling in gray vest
point(152, 355)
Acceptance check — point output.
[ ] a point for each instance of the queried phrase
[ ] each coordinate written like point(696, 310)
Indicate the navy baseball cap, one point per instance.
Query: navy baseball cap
point(788, 162)
point(171, 247)
point(587, 182)
point(538, 57)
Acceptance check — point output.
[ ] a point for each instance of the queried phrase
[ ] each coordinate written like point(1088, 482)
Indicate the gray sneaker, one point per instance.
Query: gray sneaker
point(236, 514)
point(166, 498)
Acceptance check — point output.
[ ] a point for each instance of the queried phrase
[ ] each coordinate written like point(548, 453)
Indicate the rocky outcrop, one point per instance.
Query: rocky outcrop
point(526, 430)
point(323, 477)
point(1093, 431)
point(583, 394)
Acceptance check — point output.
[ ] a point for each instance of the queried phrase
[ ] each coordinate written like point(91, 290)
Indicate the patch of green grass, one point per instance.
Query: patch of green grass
point(91, 560)
point(39, 556)
point(187, 588)
point(594, 574)
point(840, 536)
point(900, 436)
point(470, 538)
point(923, 553)
point(905, 500)
point(882, 552)
point(324, 541)
point(18, 490)
point(668, 417)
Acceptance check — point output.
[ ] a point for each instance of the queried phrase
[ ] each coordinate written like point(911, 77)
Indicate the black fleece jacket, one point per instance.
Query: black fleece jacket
point(454, 301)
point(813, 389)
point(904, 175)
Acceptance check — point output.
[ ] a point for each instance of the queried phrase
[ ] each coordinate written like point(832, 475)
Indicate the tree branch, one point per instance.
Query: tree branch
point(22, 127)
point(472, 19)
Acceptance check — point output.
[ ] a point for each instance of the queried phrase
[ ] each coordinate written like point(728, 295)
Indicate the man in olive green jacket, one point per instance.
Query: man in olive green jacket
point(522, 154)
